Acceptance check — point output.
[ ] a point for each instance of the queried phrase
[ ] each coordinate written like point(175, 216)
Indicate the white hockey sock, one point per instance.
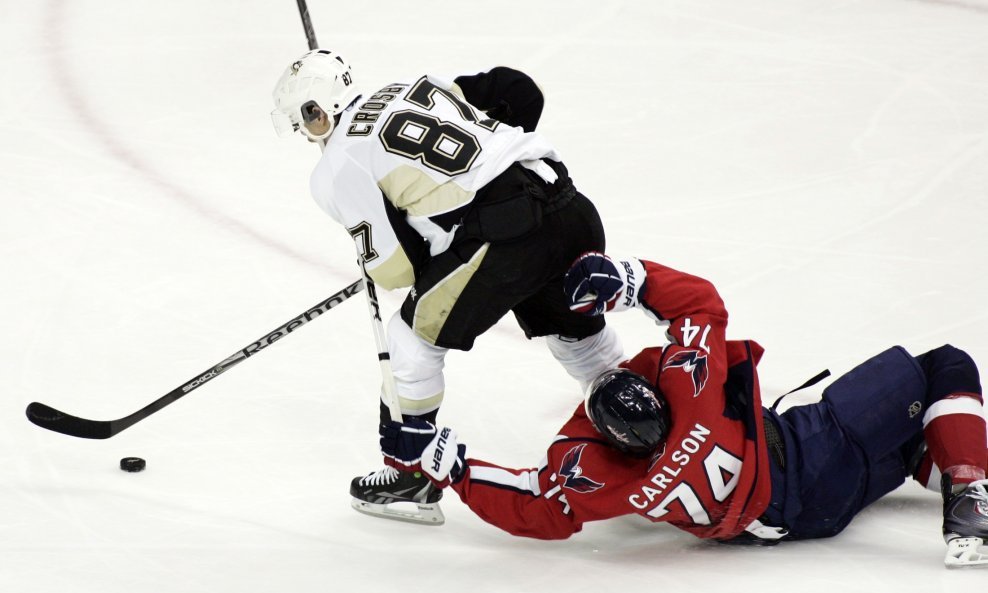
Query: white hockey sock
point(585, 359)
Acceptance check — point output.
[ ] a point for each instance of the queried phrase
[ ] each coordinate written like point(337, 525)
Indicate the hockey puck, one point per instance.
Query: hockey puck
point(132, 464)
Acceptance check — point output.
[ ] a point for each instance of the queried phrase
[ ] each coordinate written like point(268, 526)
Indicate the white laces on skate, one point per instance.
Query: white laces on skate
point(385, 507)
point(978, 491)
point(382, 476)
point(967, 551)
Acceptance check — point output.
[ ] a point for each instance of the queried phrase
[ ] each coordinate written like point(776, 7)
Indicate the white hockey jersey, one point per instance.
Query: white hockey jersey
point(407, 155)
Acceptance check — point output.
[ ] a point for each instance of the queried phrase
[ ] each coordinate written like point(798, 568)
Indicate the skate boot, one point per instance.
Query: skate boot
point(965, 522)
point(403, 496)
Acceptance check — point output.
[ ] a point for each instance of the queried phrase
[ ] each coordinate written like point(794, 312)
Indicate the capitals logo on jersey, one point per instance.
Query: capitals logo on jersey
point(693, 362)
point(571, 470)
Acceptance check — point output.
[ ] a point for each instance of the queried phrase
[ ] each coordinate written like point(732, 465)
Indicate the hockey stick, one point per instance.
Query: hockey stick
point(52, 419)
point(310, 33)
point(387, 375)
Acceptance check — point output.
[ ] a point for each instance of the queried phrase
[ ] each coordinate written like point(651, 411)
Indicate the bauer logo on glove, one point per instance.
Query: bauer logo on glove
point(405, 445)
point(437, 454)
point(596, 284)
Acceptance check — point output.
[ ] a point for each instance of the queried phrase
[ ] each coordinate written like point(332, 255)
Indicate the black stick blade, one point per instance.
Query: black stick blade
point(54, 420)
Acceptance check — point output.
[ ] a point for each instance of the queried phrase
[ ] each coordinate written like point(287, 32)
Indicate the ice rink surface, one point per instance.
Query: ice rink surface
point(825, 164)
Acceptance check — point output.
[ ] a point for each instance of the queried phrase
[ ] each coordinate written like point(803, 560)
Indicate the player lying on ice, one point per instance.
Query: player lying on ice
point(678, 434)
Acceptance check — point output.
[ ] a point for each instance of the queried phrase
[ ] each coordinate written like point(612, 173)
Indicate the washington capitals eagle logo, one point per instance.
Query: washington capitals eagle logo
point(571, 470)
point(693, 362)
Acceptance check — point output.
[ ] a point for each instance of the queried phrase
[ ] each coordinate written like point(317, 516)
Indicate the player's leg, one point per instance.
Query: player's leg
point(470, 287)
point(417, 366)
point(445, 309)
point(586, 358)
point(955, 440)
point(494, 263)
point(850, 444)
point(823, 478)
point(417, 369)
point(880, 405)
point(583, 345)
point(462, 292)
point(953, 421)
point(886, 403)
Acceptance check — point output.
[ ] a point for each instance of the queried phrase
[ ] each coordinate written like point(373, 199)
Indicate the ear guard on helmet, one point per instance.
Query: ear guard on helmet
point(628, 411)
point(311, 94)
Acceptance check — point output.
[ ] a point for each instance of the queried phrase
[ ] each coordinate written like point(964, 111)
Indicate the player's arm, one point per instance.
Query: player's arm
point(510, 499)
point(697, 323)
point(506, 94)
point(514, 500)
point(391, 249)
point(596, 284)
point(690, 305)
point(670, 295)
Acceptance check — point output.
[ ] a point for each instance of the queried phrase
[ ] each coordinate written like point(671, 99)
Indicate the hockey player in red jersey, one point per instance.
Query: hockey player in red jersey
point(678, 434)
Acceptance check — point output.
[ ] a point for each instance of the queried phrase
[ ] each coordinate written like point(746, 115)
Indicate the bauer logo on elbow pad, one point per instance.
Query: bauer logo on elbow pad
point(437, 455)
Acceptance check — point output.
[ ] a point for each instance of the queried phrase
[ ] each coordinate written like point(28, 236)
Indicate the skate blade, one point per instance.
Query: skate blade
point(409, 512)
point(962, 552)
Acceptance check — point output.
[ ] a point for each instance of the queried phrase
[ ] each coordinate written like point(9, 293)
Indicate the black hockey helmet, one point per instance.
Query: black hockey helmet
point(628, 411)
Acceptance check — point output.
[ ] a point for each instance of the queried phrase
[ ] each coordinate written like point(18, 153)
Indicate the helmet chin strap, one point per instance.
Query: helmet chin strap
point(321, 137)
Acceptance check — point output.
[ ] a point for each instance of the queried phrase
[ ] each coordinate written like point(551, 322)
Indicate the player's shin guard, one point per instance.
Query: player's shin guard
point(585, 359)
point(418, 370)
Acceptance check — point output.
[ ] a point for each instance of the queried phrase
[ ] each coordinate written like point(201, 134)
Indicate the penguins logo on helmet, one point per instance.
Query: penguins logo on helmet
point(628, 411)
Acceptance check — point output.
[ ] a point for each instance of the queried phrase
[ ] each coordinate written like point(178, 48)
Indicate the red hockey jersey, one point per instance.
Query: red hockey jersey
point(710, 478)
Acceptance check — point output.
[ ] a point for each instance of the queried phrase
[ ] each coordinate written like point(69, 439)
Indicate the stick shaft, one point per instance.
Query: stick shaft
point(389, 387)
point(310, 33)
point(47, 417)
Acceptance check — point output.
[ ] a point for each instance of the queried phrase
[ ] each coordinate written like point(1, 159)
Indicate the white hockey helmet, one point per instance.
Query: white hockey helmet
point(320, 82)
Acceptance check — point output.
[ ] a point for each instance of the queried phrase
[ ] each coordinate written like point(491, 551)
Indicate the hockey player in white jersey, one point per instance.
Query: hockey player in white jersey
point(446, 188)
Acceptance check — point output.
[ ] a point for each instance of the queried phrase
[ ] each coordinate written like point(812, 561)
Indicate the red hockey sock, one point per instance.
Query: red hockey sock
point(955, 433)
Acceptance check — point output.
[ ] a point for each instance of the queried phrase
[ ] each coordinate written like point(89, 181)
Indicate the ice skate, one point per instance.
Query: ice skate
point(965, 524)
point(402, 496)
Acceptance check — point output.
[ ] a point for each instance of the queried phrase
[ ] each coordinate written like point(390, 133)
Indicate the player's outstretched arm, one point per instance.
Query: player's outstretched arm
point(518, 501)
point(669, 294)
point(510, 499)
point(597, 284)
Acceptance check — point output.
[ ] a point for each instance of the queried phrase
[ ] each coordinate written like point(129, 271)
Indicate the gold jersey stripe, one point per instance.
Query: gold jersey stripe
point(394, 272)
point(416, 193)
point(433, 307)
point(417, 406)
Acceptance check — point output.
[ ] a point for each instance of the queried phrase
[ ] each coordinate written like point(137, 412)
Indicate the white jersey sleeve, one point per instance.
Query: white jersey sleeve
point(425, 151)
